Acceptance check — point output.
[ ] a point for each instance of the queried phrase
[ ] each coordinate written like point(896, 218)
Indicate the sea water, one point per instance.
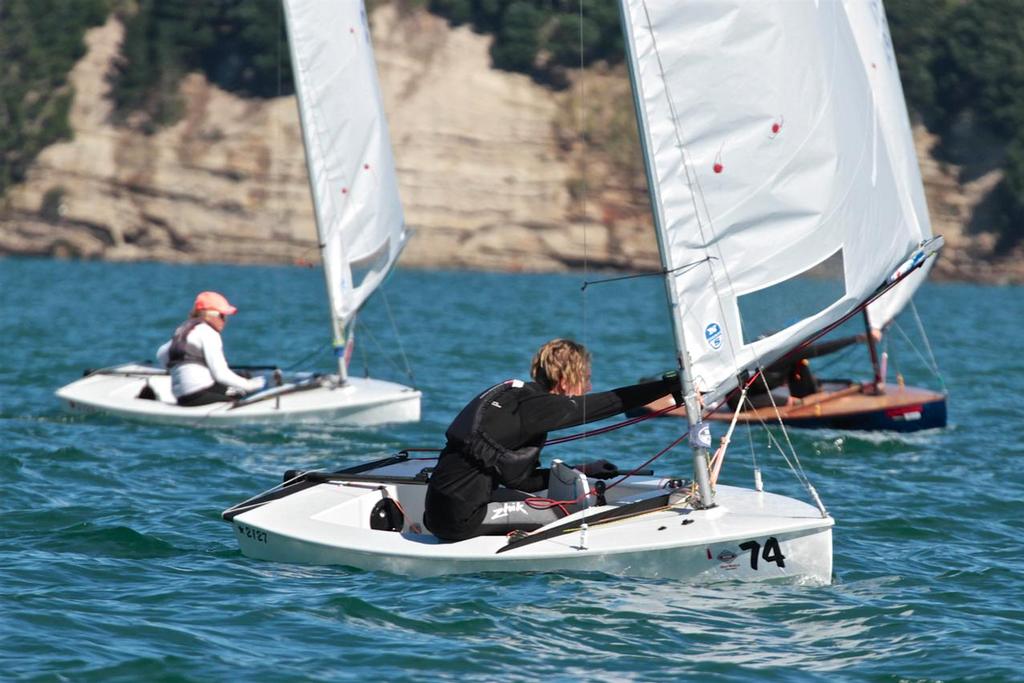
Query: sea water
point(115, 565)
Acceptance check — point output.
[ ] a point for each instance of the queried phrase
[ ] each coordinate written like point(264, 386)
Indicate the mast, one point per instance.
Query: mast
point(693, 412)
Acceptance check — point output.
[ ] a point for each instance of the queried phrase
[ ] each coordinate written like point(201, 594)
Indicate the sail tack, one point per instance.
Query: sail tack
point(348, 149)
point(767, 156)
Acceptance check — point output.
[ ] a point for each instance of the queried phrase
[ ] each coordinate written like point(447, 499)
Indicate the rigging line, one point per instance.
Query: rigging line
point(308, 356)
point(362, 354)
point(647, 462)
point(798, 471)
point(927, 343)
point(611, 427)
point(280, 12)
point(398, 337)
point(380, 348)
point(663, 271)
point(897, 373)
point(581, 123)
point(773, 442)
point(753, 452)
point(934, 370)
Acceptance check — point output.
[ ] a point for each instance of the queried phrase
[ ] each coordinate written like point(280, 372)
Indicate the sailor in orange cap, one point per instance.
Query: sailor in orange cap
point(195, 356)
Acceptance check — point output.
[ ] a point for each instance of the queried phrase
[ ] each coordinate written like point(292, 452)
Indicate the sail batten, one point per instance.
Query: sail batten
point(351, 170)
point(769, 149)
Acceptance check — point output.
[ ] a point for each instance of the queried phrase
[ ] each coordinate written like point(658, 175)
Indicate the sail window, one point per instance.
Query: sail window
point(766, 311)
point(375, 262)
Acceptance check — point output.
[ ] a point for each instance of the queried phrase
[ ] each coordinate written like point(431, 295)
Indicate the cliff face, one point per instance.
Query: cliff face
point(489, 176)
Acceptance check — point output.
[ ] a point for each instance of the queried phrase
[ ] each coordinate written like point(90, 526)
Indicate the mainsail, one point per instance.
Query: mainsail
point(766, 158)
point(348, 150)
point(867, 20)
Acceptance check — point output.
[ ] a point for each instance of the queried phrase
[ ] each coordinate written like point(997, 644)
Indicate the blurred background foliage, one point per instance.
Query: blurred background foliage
point(961, 61)
point(40, 40)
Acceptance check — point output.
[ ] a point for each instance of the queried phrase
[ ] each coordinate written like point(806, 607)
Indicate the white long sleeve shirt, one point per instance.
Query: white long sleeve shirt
point(188, 378)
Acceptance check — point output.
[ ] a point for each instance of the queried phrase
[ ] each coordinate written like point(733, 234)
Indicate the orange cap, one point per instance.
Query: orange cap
point(212, 301)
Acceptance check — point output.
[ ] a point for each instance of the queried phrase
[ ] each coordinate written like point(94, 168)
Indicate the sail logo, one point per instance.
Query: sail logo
point(713, 335)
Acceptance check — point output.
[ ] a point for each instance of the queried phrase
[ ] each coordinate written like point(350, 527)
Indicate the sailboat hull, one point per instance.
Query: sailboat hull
point(899, 409)
point(748, 536)
point(359, 402)
point(908, 410)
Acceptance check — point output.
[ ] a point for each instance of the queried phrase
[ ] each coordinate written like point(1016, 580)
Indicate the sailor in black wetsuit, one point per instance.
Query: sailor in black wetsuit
point(496, 440)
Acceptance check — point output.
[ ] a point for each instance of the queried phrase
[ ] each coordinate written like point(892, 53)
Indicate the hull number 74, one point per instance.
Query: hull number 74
point(770, 553)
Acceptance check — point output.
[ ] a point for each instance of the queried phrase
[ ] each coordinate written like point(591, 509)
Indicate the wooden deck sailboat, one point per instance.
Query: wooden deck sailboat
point(710, 85)
point(890, 160)
point(361, 230)
point(840, 405)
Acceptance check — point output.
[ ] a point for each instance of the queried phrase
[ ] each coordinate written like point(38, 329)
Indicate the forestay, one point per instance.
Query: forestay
point(760, 124)
point(348, 149)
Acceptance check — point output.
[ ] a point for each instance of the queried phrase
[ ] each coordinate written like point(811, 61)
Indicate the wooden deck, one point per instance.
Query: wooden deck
point(852, 407)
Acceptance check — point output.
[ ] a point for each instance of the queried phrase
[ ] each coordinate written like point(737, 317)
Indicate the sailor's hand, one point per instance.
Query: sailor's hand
point(598, 469)
point(257, 384)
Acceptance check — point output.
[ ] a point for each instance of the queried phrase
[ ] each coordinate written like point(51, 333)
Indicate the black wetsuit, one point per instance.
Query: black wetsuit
point(496, 440)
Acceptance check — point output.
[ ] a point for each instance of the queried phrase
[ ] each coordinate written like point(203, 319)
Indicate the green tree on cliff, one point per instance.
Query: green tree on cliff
point(238, 44)
point(40, 40)
point(978, 70)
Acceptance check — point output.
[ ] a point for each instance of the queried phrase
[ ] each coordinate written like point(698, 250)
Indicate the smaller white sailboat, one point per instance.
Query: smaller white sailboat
point(738, 207)
point(361, 229)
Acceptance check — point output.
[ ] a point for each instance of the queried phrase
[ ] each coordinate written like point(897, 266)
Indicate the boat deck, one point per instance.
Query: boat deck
point(899, 408)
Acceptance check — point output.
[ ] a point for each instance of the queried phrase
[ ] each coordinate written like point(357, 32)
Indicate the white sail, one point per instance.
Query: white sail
point(871, 30)
point(348, 149)
point(764, 161)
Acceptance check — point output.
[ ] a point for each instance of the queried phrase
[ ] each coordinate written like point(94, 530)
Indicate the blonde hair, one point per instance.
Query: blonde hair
point(561, 361)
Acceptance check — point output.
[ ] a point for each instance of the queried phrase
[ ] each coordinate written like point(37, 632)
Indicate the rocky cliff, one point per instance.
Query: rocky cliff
point(493, 172)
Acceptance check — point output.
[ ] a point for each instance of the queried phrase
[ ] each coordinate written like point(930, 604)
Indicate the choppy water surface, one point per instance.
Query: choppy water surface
point(114, 564)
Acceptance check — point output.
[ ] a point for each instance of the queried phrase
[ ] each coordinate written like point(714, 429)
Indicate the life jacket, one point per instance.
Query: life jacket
point(802, 381)
point(465, 435)
point(181, 350)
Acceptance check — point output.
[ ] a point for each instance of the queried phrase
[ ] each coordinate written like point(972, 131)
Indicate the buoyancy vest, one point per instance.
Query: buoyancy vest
point(181, 351)
point(802, 381)
point(465, 435)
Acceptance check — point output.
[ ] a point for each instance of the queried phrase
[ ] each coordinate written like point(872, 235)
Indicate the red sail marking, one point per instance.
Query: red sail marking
point(718, 167)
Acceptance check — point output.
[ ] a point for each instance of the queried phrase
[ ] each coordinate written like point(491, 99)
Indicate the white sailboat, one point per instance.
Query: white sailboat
point(741, 203)
point(361, 230)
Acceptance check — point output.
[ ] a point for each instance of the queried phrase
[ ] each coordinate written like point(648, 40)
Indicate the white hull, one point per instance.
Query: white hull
point(328, 523)
point(360, 402)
